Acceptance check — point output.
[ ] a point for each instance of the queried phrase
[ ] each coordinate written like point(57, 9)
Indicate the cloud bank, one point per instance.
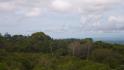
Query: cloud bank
point(91, 11)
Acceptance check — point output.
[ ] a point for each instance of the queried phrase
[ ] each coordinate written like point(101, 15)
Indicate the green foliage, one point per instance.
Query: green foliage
point(2, 66)
point(40, 52)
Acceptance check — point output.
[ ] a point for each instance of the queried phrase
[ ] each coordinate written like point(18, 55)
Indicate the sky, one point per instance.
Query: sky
point(63, 18)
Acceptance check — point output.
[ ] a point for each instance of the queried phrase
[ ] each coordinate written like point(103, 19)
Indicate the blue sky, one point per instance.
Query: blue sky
point(63, 18)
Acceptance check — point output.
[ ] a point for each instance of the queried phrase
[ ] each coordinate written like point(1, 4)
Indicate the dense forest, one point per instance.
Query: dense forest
point(41, 52)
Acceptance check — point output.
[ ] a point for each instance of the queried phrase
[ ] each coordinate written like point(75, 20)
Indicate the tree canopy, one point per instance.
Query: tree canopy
point(40, 52)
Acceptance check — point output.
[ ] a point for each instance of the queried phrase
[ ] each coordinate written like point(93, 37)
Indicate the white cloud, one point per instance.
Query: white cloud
point(85, 7)
point(94, 23)
point(91, 11)
point(117, 22)
point(33, 12)
point(116, 19)
point(60, 5)
point(27, 7)
point(6, 6)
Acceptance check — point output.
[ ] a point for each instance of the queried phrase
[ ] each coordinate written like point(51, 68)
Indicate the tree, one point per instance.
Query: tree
point(39, 42)
point(7, 36)
point(1, 41)
point(75, 48)
point(87, 45)
point(2, 66)
point(39, 36)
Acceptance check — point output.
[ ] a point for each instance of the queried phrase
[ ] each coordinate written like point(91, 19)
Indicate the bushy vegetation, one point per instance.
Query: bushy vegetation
point(41, 52)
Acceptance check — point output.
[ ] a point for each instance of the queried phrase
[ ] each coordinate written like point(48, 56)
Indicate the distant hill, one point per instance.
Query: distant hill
point(111, 40)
